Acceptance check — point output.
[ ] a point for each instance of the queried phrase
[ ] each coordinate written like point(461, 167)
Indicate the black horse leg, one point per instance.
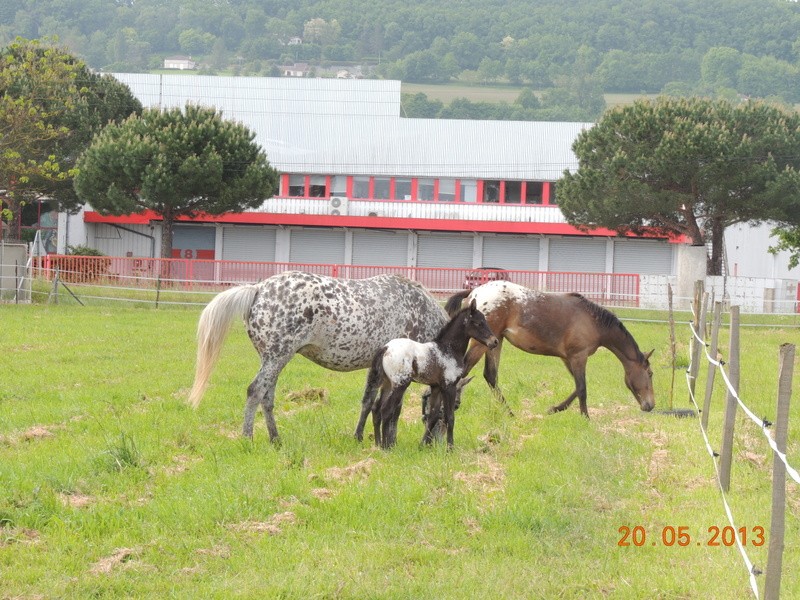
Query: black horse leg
point(491, 366)
point(367, 402)
point(377, 404)
point(433, 422)
point(449, 400)
point(389, 408)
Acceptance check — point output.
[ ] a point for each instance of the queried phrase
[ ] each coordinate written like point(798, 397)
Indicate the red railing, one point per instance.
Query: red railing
point(615, 289)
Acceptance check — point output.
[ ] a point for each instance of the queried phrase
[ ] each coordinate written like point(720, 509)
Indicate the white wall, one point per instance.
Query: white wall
point(748, 256)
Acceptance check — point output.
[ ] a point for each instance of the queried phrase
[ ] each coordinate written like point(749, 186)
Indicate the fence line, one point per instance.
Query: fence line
point(781, 464)
point(762, 423)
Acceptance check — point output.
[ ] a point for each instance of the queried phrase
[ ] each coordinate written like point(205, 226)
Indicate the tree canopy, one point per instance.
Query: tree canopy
point(686, 166)
point(176, 163)
point(50, 107)
point(634, 46)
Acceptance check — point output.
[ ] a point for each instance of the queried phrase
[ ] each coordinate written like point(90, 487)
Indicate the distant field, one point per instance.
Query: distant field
point(498, 93)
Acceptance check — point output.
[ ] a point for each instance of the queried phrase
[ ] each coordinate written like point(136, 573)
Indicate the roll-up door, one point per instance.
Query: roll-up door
point(380, 248)
point(193, 242)
point(513, 253)
point(439, 250)
point(317, 246)
point(577, 255)
point(255, 244)
point(643, 257)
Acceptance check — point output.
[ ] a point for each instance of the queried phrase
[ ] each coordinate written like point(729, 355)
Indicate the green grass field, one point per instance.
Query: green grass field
point(446, 93)
point(111, 486)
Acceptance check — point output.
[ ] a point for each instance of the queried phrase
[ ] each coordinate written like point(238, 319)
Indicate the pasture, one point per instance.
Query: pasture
point(112, 486)
point(446, 93)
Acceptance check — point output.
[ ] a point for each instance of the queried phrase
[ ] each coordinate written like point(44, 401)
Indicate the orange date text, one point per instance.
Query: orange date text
point(683, 536)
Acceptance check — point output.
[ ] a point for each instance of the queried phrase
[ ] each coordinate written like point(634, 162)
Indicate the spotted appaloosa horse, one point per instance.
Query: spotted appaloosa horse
point(439, 364)
point(337, 323)
point(564, 325)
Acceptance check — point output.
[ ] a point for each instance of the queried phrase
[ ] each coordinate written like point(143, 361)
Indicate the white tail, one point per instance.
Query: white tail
point(215, 322)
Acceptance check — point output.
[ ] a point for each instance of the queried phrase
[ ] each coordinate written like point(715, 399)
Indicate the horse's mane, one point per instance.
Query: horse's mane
point(450, 324)
point(604, 317)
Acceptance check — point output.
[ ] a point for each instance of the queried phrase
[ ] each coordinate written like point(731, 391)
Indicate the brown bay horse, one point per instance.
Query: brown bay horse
point(565, 325)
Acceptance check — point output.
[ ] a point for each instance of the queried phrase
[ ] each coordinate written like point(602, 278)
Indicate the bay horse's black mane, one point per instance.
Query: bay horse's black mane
point(604, 317)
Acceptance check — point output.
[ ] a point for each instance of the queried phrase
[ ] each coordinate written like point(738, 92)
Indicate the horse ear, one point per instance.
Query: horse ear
point(649, 354)
point(473, 306)
point(462, 383)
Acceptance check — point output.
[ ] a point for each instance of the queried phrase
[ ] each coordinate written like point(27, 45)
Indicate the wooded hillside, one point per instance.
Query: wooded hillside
point(722, 47)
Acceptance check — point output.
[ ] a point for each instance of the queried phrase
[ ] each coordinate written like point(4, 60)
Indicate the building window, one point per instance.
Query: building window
point(534, 192)
point(491, 191)
point(468, 191)
point(513, 192)
point(361, 187)
point(297, 185)
point(316, 187)
point(381, 186)
point(553, 195)
point(425, 189)
point(339, 185)
point(447, 190)
point(402, 189)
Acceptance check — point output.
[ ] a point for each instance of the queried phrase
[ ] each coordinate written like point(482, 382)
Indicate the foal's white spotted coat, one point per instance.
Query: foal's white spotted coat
point(402, 355)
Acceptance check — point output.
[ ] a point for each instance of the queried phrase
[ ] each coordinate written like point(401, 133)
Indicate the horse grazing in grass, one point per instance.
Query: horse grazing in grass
point(337, 323)
point(564, 325)
point(439, 364)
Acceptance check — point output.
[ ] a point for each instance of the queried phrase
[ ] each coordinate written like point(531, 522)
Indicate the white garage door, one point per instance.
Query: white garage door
point(514, 253)
point(577, 255)
point(380, 248)
point(317, 246)
point(441, 250)
point(256, 243)
point(650, 257)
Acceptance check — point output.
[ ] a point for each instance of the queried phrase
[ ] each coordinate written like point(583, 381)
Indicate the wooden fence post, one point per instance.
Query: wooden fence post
point(772, 583)
point(698, 318)
point(726, 452)
point(712, 369)
point(672, 345)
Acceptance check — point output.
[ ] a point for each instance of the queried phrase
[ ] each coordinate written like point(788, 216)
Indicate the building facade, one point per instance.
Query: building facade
point(362, 185)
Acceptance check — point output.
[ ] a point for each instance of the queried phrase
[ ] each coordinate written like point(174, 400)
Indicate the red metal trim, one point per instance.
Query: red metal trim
point(259, 218)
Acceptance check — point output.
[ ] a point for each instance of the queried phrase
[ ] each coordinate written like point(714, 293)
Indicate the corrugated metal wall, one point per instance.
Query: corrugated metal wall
point(644, 257)
point(577, 255)
point(511, 252)
point(254, 243)
point(443, 250)
point(386, 248)
point(312, 246)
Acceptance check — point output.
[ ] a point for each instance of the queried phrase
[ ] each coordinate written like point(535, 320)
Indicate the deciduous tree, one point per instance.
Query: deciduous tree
point(50, 107)
point(686, 166)
point(175, 163)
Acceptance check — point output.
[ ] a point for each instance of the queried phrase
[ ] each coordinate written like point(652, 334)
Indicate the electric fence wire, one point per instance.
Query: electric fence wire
point(762, 423)
point(752, 570)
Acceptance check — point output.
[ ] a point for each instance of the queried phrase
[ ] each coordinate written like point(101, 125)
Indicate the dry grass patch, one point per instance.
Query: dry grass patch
point(75, 500)
point(488, 479)
point(272, 526)
point(359, 470)
point(118, 558)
